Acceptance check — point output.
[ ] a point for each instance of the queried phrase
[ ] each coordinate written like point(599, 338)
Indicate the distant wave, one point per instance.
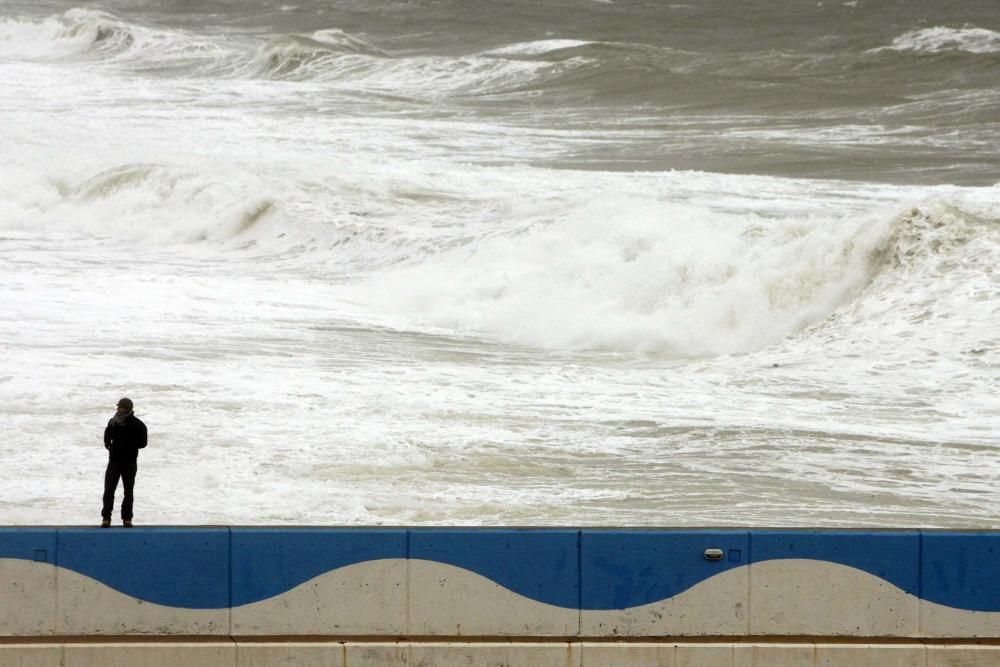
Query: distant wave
point(337, 56)
point(618, 55)
point(97, 29)
point(944, 40)
point(76, 31)
point(339, 40)
point(288, 56)
point(327, 55)
point(315, 55)
point(330, 55)
point(79, 32)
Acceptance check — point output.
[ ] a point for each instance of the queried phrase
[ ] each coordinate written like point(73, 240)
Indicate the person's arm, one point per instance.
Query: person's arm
point(107, 437)
point(142, 436)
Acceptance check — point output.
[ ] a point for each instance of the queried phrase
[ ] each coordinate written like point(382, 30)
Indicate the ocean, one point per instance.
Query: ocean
point(547, 262)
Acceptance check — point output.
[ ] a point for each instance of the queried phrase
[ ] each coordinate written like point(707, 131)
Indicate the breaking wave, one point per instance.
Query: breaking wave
point(314, 56)
point(328, 55)
point(667, 278)
point(95, 33)
point(626, 273)
point(148, 203)
point(944, 40)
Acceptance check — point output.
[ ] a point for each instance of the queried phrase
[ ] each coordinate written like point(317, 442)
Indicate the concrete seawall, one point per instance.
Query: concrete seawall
point(470, 596)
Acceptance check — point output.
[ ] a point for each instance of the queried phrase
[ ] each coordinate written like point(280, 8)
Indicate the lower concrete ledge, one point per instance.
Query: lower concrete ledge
point(233, 653)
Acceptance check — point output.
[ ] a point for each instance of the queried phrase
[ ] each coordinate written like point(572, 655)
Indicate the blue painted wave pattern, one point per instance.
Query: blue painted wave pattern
point(587, 569)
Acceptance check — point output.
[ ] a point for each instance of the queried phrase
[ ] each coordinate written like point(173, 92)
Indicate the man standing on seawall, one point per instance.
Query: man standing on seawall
point(124, 436)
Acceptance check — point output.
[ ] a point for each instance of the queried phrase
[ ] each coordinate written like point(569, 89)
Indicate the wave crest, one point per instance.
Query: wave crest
point(93, 29)
point(151, 203)
point(338, 40)
point(537, 48)
point(103, 36)
point(948, 40)
point(310, 57)
point(76, 31)
point(927, 237)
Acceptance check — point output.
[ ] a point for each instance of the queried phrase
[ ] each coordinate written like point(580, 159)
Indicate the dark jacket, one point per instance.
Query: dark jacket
point(123, 441)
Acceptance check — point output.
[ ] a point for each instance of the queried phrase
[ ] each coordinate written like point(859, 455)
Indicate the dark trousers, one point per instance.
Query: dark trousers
point(126, 471)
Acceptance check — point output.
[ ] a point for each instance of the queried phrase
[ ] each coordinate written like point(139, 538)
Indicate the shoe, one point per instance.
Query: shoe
point(106, 523)
point(127, 523)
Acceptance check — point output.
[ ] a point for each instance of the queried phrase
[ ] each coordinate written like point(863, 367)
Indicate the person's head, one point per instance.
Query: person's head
point(125, 405)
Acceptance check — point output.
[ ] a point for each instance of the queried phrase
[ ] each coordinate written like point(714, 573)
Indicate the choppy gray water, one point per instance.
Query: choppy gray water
point(568, 262)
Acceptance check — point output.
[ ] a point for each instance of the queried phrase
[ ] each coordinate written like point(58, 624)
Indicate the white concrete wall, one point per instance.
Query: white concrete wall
point(31, 655)
point(399, 598)
point(452, 614)
point(158, 654)
point(88, 607)
point(494, 654)
point(363, 599)
point(717, 606)
point(27, 598)
point(808, 597)
point(450, 601)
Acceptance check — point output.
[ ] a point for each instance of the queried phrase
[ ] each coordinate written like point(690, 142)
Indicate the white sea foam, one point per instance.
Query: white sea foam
point(943, 39)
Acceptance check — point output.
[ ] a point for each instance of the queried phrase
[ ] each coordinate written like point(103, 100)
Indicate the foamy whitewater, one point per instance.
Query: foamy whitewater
point(521, 263)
